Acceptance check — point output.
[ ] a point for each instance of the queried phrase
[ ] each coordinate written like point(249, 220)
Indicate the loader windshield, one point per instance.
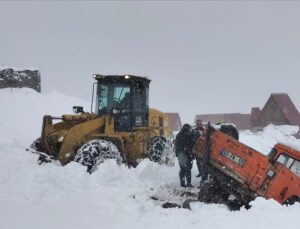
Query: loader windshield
point(113, 96)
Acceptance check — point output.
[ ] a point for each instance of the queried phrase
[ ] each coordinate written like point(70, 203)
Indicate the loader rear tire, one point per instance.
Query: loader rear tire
point(95, 152)
point(161, 150)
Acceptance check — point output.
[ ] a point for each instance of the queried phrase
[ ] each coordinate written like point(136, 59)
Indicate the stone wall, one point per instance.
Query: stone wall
point(10, 78)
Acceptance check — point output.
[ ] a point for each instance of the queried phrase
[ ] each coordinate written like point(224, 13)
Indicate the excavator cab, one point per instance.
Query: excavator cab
point(126, 97)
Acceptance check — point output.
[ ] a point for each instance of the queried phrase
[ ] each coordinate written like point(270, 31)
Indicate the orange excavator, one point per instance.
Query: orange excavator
point(239, 174)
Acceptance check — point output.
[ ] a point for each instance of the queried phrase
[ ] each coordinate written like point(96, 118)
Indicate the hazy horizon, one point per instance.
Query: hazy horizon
point(203, 57)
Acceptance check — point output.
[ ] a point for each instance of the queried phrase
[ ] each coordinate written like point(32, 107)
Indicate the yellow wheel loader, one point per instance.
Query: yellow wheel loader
point(123, 127)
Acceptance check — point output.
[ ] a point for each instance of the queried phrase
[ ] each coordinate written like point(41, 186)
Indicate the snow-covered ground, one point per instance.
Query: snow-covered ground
point(51, 196)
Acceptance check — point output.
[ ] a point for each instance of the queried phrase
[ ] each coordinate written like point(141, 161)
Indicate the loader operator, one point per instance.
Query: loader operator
point(184, 145)
point(198, 132)
point(125, 102)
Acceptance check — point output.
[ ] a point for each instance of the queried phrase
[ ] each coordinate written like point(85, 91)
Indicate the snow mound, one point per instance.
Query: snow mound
point(22, 112)
point(263, 141)
point(50, 196)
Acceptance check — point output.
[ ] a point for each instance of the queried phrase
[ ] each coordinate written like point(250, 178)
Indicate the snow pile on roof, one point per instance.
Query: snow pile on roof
point(51, 196)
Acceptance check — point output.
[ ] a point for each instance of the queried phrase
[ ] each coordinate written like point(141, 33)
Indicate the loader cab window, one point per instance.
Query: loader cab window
point(140, 104)
point(121, 98)
point(112, 96)
point(122, 102)
point(102, 99)
point(127, 98)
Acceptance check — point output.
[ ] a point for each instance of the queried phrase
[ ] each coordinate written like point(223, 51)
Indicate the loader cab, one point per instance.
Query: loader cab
point(126, 97)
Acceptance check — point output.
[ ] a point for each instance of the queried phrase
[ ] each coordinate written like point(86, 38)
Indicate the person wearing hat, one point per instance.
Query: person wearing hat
point(184, 145)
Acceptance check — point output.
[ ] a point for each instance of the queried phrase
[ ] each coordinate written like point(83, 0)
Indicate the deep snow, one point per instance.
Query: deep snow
point(51, 196)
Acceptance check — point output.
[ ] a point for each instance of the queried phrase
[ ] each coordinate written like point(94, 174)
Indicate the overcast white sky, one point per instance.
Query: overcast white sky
point(202, 57)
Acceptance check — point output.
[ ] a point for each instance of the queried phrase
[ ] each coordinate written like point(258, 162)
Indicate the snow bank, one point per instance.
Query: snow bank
point(51, 196)
point(22, 112)
point(263, 141)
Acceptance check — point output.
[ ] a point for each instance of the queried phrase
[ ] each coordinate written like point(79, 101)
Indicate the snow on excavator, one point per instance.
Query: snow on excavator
point(122, 128)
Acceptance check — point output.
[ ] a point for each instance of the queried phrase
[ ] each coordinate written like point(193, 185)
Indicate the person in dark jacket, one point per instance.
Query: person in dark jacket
point(197, 133)
point(184, 145)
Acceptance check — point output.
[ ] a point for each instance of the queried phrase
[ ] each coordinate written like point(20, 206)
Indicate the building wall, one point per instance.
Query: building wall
point(174, 121)
point(242, 121)
point(278, 110)
point(10, 78)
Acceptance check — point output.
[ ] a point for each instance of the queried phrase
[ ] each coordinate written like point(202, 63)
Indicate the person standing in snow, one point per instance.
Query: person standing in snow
point(184, 145)
point(197, 133)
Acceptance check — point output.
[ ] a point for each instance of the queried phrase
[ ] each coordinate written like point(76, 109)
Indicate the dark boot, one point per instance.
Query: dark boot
point(181, 178)
point(189, 179)
point(199, 168)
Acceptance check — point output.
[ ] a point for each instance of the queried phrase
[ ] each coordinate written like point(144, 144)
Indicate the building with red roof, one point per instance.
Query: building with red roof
point(174, 121)
point(278, 110)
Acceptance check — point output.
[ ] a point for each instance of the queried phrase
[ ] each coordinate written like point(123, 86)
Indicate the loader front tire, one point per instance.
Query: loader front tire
point(95, 152)
point(161, 150)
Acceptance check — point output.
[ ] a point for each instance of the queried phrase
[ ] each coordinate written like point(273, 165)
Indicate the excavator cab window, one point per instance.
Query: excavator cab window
point(286, 160)
point(290, 163)
point(296, 168)
point(271, 155)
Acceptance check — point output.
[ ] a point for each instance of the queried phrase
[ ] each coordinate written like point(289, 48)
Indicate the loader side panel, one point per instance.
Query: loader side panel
point(158, 123)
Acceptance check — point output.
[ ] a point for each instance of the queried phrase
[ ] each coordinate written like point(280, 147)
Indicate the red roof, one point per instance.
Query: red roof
point(287, 106)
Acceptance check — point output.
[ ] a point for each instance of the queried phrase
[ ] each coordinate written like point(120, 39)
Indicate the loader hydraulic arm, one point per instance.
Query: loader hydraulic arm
point(61, 139)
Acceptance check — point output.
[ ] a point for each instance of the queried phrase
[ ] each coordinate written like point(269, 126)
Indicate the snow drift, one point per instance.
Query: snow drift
point(51, 196)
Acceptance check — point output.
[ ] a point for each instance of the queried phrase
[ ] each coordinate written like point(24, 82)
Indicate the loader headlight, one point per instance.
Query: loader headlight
point(115, 111)
point(126, 77)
